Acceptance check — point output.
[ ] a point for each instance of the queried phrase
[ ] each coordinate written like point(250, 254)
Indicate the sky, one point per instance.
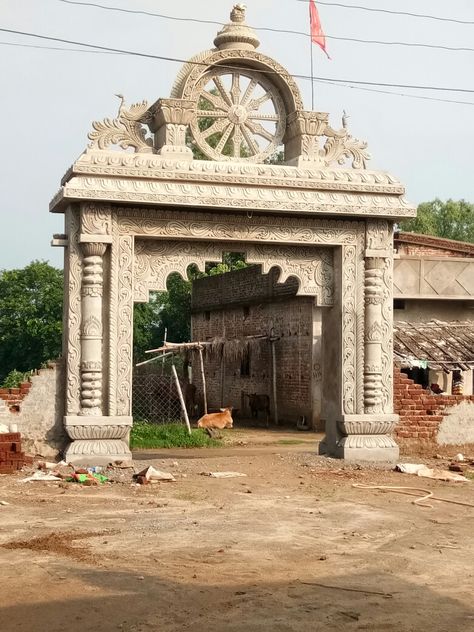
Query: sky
point(50, 97)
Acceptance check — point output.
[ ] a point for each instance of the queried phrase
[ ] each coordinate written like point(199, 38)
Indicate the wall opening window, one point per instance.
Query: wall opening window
point(245, 366)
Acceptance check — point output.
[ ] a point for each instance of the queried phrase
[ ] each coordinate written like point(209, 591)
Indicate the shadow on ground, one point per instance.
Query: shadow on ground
point(106, 601)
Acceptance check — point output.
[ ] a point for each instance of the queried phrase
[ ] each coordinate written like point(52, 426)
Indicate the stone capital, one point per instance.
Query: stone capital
point(169, 121)
point(171, 111)
point(93, 248)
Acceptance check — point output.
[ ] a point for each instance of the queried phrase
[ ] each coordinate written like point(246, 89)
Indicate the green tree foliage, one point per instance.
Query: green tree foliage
point(451, 219)
point(146, 324)
point(31, 302)
point(171, 310)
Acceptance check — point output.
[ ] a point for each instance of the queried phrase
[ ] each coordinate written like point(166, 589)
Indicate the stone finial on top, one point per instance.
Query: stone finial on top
point(238, 13)
point(237, 33)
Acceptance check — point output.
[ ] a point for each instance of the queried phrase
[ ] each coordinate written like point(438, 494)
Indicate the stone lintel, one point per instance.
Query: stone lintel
point(95, 239)
point(378, 254)
point(239, 197)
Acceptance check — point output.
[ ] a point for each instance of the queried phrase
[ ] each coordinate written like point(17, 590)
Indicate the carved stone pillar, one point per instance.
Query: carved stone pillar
point(97, 438)
point(373, 336)
point(91, 329)
point(170, 120)
point(368, 436)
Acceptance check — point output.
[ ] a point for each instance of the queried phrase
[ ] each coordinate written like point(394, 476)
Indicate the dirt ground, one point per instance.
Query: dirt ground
point(293, 546)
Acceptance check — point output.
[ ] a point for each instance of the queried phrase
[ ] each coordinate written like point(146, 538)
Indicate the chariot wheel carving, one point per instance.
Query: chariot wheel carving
point(240, 115)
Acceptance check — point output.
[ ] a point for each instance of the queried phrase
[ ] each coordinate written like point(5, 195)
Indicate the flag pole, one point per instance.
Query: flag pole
point(312, 63)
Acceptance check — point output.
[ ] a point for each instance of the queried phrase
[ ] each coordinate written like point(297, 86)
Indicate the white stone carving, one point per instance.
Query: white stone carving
point(126, 130)
point(189, 211)
point(251, 59)
point(155, 260)
point(313, 267)
point(95, 219)
point(91, 328)
point(231, 107)
point(387, 334)
point(153, 166)
point(373, 336)
point(223, 196)
point(73, 280)
point(303, 146)
point(125, 326)
point(236, 228)
point(349, 328)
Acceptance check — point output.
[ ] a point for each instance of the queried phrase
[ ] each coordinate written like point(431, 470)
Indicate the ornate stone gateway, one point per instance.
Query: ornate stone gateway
point(138, 206)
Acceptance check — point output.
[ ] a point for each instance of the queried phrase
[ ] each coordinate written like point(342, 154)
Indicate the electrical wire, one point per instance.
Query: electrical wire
point(322, 81)
point(391, 12)
point(273, 30)
point(61, 48)
point(396, 94)
point(236, 67)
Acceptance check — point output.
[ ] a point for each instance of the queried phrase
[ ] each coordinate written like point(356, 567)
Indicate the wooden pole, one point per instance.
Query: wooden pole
point(203, 378)
point(222, 376)
point(181, 398)
point(163, 354)
point(155, 359)
point(274, 379)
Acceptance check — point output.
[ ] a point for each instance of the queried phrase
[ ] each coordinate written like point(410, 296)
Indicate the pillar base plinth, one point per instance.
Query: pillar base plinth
point(97, 440)
point(363, 437)
point(373, 448)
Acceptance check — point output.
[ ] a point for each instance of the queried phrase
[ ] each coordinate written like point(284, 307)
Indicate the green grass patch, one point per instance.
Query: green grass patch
point(290, 442)
point(146, 435)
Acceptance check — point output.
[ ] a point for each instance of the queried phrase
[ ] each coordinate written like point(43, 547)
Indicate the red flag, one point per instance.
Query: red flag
point(317, 33)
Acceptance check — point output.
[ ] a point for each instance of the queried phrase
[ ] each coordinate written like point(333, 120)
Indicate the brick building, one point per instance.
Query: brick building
point(248, 303)
point(433, 279)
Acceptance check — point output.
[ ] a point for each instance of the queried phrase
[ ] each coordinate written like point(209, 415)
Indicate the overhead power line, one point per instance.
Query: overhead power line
point(392, 12)
point(322, 81)
point(273, 30)
point(391, 93)
point(235, 66)
point(61, 48)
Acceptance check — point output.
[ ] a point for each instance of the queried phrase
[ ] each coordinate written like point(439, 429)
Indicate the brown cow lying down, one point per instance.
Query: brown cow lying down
point(217, 420)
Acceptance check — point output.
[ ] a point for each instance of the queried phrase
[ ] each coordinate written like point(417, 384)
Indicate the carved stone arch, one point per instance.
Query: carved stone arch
point(155, 260)
point(192, 72)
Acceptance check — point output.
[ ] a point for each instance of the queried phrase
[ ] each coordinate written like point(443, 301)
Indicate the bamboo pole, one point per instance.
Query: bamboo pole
point(163, 354)
point(181, 398)
point(203, 378)
point(155, 359)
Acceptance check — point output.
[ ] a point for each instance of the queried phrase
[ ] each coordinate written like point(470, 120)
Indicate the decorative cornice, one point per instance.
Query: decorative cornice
point(237, 196)
point(153, 166)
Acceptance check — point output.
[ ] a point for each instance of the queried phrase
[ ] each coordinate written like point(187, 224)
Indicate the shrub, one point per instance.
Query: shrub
point(15, 378)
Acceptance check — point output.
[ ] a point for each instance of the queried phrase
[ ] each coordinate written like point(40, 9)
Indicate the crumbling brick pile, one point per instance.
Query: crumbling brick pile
point(11, 456)
point(13, 397)
point(421, 412)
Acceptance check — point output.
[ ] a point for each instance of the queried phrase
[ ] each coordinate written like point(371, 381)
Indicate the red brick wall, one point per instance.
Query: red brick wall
point(292, 322)
point(420, 411)
point(417, 250)
point(14, 396)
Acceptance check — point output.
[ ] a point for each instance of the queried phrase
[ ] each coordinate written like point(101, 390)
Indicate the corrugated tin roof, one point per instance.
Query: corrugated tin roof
point(442, 346)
